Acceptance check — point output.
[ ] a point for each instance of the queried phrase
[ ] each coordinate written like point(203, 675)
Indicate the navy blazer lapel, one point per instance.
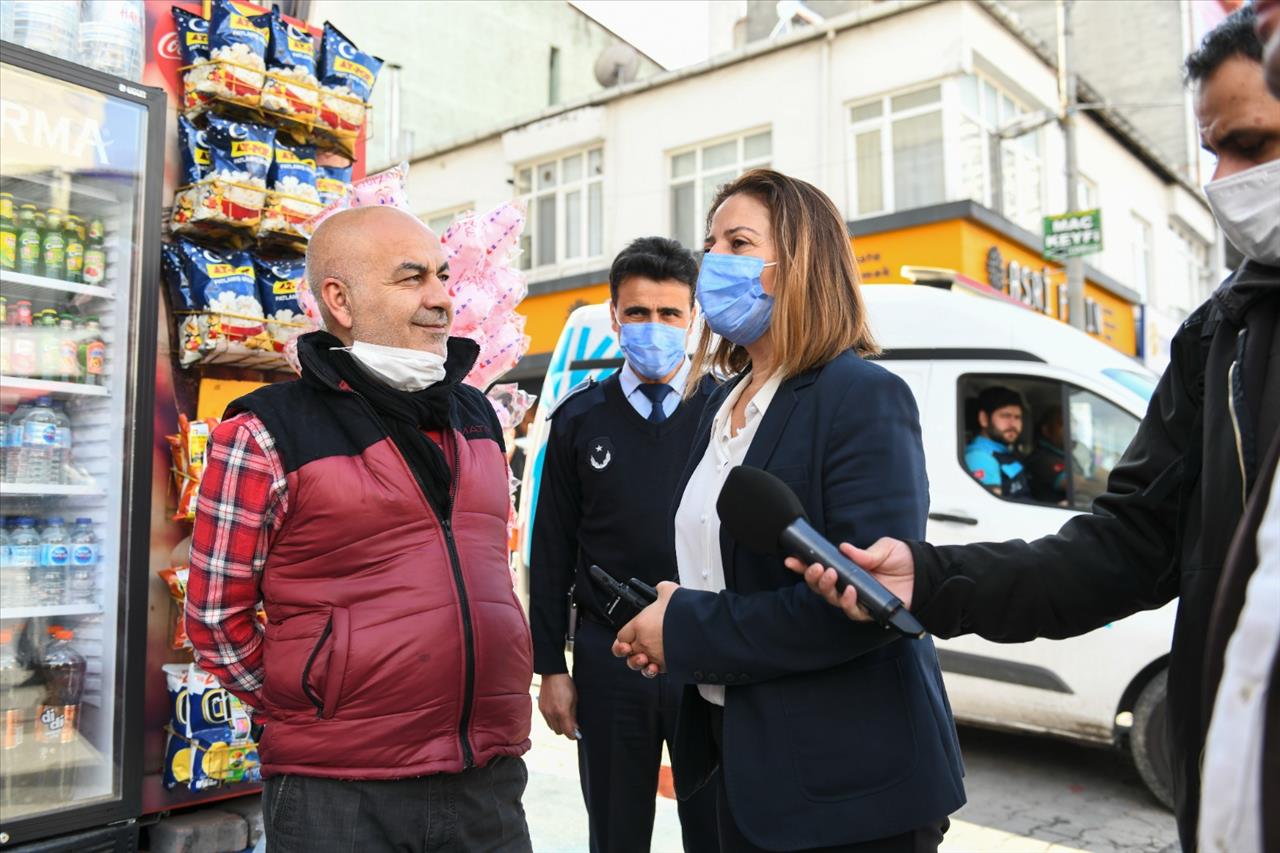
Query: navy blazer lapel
point(761, 450)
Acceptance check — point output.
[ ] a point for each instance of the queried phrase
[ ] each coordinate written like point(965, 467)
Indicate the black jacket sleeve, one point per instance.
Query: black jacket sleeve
point(1103, 566)
point(553, 553)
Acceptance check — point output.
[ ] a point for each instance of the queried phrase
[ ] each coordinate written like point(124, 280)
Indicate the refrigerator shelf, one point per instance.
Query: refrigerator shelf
point(22, 286)
point(42, 490)
point(45, 386)
point(37, 611)
point(59, 180)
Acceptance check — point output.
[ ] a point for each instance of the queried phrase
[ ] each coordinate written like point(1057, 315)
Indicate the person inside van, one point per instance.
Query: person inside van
point(814, 732)
point(1047, 464)
point(991, 457)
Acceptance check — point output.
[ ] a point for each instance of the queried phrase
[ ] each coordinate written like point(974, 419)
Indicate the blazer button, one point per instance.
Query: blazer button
point(697, 675)
point(713, 678)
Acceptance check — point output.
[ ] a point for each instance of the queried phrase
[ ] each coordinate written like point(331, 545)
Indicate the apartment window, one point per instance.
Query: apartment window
point(1005, 175)
point(440, 220)
point(698, 173)
point(565, 199)
point(1190, 266)
point(553, 77)
point(1086, 194)
point(897, 150)
point(1141, 252)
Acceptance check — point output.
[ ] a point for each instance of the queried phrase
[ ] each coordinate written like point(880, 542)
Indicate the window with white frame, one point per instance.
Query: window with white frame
point(1190, 270)
point(440, 220)
point(1007, 178)
point(697, 173)
point(565, 200)
point(1086, 194)
point(1141, 247)
point(897, 153)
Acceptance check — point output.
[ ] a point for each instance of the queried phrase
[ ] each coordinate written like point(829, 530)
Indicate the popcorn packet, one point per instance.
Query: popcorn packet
point(293, 197)
point(192, 32)
point(192, 325)
point(279, 284)
point(194, 149)
point(290, 88)
point(237, 50)
point(333, 183)
point(227, 291)
point(346, 76)
point(233, 192)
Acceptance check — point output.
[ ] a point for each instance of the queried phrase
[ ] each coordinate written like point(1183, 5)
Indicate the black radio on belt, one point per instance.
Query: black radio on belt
point(625, 600)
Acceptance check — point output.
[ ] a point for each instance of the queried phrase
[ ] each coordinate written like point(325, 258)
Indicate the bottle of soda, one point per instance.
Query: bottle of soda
point(53, 246)
point(8, 234)
point(95, 253)
point(68, 349)
point(93, 353)
point(58, 715)
point(29, 240)
point(74, 229)
point(55, 560)
point(13, 740)
point(85, 555)
point(50, 348)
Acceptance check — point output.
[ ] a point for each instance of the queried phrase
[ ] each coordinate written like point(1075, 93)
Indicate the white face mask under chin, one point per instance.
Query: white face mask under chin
point(1247, 207)
point(404, 369)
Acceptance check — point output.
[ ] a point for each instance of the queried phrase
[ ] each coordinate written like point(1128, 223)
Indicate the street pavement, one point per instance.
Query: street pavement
point(1026, 795)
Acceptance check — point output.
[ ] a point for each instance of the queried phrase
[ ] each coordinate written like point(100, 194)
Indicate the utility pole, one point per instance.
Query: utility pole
point(1067, 120)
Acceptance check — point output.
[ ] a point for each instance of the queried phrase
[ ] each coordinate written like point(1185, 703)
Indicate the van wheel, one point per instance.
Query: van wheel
point(1148, 742)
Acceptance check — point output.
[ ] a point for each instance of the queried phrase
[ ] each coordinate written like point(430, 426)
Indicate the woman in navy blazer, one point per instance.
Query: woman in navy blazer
point(820, 733)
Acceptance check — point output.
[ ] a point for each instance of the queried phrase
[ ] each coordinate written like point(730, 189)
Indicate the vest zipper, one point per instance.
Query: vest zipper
point(1235, 426)
point(311, 659)
point(445, 520)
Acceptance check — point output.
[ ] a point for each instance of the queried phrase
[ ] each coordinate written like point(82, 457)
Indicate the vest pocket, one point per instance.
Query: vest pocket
point(326, 666)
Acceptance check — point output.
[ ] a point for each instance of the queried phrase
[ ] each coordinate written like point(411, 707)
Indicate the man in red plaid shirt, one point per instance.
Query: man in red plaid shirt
point(365, 505)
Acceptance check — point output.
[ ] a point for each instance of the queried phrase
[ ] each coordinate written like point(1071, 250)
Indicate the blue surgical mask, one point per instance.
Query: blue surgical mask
point(653, 350)
point(732, 298)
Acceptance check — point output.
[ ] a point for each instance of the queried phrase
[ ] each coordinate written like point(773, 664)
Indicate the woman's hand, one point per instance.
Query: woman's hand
point(888, 561)
point(640, 640)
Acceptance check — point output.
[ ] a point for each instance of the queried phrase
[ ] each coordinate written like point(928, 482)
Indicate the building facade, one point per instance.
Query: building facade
point(893, 109)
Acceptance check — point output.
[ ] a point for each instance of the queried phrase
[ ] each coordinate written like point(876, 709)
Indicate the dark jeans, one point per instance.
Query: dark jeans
point(923, 840)
point(624, 719)
point(475, 810)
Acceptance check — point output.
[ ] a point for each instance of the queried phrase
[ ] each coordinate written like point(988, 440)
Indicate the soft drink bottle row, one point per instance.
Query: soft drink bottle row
point(36, 446)
point(45, 564)
point(52, 243)
point(40, 711)
point(48, 344)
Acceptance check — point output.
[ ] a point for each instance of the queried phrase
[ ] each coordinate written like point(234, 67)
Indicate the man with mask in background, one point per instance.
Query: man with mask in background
point(614, 457)
point(365, 504)
point(1164, 527)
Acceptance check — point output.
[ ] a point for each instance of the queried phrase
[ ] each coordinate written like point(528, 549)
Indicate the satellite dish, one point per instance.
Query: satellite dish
point(618, 64)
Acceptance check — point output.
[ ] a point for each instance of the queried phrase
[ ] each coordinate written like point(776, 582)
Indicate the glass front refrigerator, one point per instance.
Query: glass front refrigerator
point(80, 176)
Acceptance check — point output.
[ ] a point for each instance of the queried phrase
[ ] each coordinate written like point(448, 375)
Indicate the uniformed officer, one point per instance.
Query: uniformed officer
point(990, 457)
point(614, 456)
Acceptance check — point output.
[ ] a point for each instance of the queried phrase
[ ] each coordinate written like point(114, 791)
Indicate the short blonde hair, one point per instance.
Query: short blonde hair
point(818, 310)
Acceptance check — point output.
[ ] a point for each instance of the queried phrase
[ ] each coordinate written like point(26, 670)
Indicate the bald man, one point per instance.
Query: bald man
point(365, 504)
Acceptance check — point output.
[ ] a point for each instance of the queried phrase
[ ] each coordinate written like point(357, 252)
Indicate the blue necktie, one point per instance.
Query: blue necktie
point(656, 394)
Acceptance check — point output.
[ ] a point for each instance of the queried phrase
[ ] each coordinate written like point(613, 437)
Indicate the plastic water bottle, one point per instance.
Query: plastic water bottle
point(40, 455)
point(6, 564)
point(62, 468)
point(83, 581)
point(11, 447)
point(24, 556)
point(55, 561)
point(4, 446)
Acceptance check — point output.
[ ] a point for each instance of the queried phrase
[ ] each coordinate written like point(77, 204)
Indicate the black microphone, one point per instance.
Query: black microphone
point(761, 512)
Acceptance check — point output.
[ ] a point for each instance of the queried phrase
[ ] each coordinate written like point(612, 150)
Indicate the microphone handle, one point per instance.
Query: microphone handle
point(801, 540)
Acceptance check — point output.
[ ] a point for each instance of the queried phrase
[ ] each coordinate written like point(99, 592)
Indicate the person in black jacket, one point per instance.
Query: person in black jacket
point(816, 733)
point(613, 462)
point(1163, 528)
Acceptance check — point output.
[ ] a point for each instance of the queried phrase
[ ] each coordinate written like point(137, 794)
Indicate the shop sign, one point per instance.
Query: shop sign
point(1033, 289)
point(1068, 235)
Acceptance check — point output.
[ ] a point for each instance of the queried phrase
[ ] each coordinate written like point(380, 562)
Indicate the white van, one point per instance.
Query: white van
point(1107, 687)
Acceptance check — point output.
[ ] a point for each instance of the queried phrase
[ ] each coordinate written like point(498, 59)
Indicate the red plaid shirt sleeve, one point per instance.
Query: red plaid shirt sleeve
point(242, 504)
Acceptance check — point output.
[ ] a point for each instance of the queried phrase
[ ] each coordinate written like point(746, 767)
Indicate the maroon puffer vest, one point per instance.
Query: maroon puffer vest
point(395, 645)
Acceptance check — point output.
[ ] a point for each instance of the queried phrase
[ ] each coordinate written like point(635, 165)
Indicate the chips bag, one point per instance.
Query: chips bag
point(346, 82)
point(290, 87)
point(188, 449)
point(175, 577)
point(237, 50)
point(192, 33)
point(209, 733)
point(279, 285)
point(333, 183)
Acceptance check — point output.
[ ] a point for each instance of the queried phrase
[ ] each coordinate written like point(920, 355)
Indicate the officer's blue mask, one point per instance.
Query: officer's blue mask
point(653, 350)
point(732, 298)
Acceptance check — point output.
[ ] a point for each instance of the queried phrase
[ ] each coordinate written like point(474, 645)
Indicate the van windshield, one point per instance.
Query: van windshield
point(1142, 385)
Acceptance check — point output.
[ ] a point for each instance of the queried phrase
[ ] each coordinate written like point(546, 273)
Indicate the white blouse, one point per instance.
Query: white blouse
point(698, 554)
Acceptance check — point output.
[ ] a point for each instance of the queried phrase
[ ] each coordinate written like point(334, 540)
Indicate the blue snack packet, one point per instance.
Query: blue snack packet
point(333, 183)
point(192, 32)
point(278, 283)
point(240, 151)
point(290, 47)
point(293, 167)
point(194, 148)
point(175, 278)
point(342, 64)
point(228, 28)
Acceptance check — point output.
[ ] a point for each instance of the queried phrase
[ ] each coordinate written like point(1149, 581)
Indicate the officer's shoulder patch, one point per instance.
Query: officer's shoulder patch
point(585, 385)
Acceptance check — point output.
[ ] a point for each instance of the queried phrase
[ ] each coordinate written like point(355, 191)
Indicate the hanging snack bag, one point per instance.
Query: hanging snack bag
point(192, 34)
point(235, 191)
point(346, 81)
point(229, 296)
point(237, 51)
point(194, 148)
point(293, 197)
point(189, 449)
point(333, 183)
point(175, 577)
point(186, 306)
point(290, 88)
point(209, 733)
point(279, 282)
